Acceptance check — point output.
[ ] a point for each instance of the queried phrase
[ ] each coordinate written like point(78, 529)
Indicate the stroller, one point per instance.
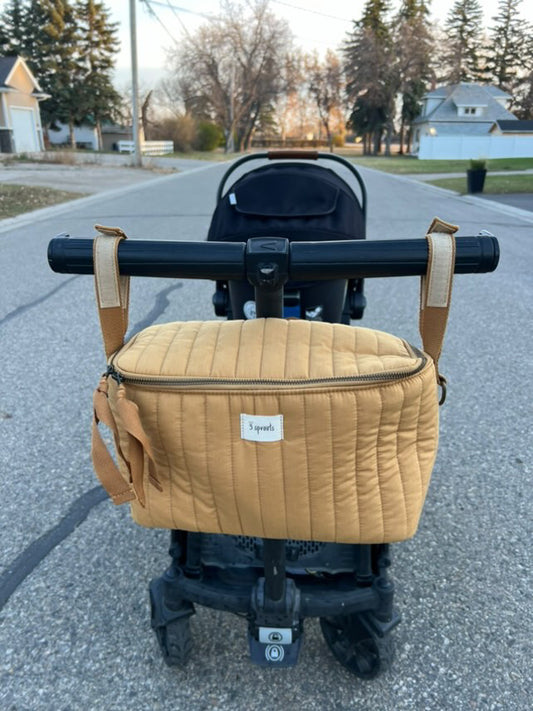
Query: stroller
point(276, 584)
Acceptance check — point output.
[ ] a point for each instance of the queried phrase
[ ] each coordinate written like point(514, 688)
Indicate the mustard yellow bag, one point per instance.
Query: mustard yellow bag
point(270, 427)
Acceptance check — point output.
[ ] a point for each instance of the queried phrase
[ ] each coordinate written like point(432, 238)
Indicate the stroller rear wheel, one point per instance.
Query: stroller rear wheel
point(170, 620)
point(356, 646)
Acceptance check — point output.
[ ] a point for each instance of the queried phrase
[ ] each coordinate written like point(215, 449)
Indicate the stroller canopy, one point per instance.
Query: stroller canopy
point(299, 201)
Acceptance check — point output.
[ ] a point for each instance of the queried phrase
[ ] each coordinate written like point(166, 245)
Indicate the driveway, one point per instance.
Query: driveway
point(74, 570)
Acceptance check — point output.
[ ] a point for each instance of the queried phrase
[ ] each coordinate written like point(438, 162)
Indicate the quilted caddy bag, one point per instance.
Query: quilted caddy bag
point(270, 427)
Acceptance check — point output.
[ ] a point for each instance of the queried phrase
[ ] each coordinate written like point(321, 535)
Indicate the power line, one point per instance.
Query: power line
point(312, 12)
point(153, 13)
point(178, 8)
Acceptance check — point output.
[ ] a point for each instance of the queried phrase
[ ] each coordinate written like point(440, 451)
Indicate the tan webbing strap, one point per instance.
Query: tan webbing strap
point(112, 290)
point(436, 289)
point(138, 445)
point(106, 469)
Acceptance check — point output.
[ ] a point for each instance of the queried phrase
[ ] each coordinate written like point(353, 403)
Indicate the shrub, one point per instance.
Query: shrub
point(478, 164)
point(208, 136)
point(181, 130)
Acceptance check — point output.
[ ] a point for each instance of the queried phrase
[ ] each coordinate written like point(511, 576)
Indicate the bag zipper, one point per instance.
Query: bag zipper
point(155, 381)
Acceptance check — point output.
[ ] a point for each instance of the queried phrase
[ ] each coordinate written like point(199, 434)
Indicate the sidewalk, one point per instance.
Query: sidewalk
point(108, 173)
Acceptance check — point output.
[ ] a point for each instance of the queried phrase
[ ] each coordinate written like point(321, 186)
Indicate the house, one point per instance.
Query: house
point(20, 118)
point(457, 121)
point(86, 135)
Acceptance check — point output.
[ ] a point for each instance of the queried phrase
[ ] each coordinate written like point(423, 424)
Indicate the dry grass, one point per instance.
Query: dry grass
point(17, 199)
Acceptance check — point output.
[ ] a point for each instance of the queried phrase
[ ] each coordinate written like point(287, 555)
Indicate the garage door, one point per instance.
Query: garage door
point(24, 133)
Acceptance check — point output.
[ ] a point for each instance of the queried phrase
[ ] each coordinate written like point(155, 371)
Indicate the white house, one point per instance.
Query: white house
point(20, 118)
point(457, 120)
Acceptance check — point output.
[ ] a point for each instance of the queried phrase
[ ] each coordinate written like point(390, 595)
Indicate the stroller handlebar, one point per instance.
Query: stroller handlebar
point(293, 155)
point(347, 259)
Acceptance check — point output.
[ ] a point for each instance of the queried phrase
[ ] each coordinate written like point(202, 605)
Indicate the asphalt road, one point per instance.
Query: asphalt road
point(75, 633)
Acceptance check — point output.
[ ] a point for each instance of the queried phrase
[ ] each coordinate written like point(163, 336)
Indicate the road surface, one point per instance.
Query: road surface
point(74, 626)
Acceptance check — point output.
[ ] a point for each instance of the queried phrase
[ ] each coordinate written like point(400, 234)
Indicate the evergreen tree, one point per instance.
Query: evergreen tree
point(70, 47)
point(372, 76)
point(507, 54)
point(58, 65)
point(463, 51)
point(12, 29)
point(98, 45)
point(414, 52)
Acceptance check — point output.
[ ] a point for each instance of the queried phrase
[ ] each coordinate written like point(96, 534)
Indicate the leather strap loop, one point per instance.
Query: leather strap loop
point(112, 289)
point(436, 288)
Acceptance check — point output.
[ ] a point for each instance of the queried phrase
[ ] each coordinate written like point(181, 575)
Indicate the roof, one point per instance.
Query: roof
point(456, 95)
point(7, 67)
point(515, 126)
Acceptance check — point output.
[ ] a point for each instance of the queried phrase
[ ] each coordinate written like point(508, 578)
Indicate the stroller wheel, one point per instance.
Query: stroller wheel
point(171, 626)
point(176, 642)
point(356, 647)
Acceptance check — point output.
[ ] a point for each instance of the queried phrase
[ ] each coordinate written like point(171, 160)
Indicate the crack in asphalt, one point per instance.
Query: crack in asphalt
point(161, 303)
point(24, 564)
point(32, 555)
point(25, 307)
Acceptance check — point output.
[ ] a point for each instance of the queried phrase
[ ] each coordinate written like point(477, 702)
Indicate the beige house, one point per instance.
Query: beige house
point(20, 118)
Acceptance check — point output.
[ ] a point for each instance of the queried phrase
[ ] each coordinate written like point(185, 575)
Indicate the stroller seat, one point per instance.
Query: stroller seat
point(300, 201)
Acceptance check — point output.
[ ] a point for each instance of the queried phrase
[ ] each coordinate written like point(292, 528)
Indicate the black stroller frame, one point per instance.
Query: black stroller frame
point(276, 584)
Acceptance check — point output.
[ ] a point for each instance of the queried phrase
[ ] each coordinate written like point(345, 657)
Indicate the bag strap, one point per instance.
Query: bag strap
point(112, 289)
point(436, 290)
point(109, 474)
point(139, 449)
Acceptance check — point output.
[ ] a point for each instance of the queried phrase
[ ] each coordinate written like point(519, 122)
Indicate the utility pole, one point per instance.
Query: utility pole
point(137, 154)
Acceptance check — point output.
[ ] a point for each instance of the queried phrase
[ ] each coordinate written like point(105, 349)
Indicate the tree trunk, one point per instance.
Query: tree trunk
point(99, 139)
point(377, 141)
point(409, 139)
point(144, 114)
point(71, 134)
point(402, 133)
point(388, 138)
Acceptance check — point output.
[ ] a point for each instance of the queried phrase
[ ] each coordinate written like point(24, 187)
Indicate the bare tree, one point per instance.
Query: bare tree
point(326, 85)
point(230, 70)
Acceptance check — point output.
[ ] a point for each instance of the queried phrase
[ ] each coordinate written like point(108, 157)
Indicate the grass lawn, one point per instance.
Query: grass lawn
point(16, 199)
point(407, 164)
point(494, 184)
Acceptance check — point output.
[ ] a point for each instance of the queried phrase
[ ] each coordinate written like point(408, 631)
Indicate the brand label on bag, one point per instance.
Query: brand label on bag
point(262, 428)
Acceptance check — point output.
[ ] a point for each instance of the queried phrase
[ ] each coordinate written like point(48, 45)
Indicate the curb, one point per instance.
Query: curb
point(46, 212)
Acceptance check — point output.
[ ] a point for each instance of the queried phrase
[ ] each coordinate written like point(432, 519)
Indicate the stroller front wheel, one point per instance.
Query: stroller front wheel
point(355, 646)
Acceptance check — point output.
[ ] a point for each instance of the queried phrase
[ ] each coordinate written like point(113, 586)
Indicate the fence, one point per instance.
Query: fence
point(148, 148)
point(451, 147)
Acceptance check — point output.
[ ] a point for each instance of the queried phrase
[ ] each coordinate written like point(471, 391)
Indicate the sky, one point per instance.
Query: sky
point(316, 24)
